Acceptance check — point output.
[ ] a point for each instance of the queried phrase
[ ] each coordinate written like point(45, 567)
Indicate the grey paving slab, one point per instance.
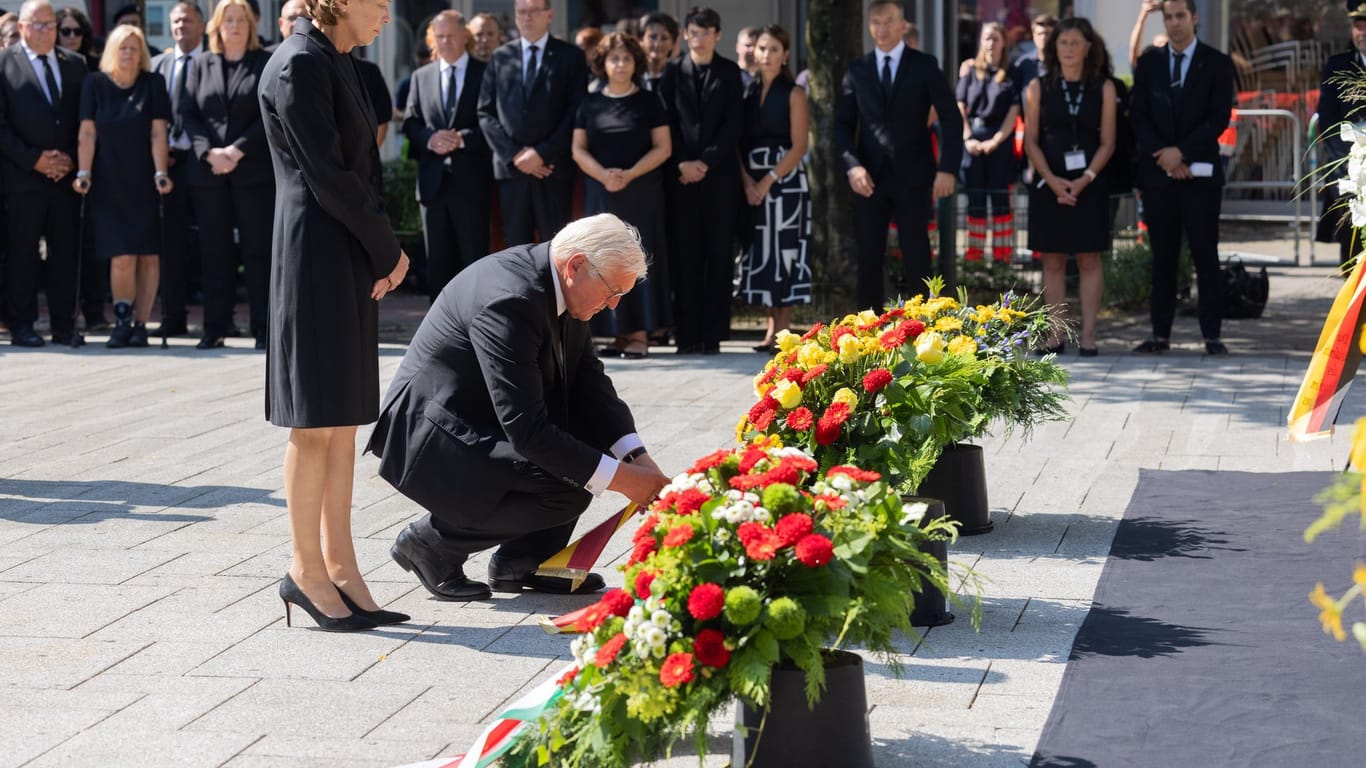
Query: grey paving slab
point(348, 710)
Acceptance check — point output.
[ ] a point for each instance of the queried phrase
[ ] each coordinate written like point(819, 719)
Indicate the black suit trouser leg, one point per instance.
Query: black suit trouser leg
point(532, 521)
point(534, 209)
point(910, 208)
point(253, 211)
point(704, 249)
point(1189, 209)
point(51, 213)
point(175, 240)
point(455, 226)
point(213, 209)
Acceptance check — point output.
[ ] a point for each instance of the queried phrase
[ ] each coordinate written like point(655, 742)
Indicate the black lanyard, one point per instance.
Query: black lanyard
point(1073, 108)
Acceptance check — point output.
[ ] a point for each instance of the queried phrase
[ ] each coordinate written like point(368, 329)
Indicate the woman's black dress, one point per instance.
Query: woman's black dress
point(775, 271)
point(618, 131)
point(123, 210)
point(1085, 227)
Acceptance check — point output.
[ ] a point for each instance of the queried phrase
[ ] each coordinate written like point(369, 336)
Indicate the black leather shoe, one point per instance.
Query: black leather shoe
point(118, 338)
point(25, 336)
point(689, 349)
point(138, 338)
point(213, 341)
point(415, 557)
point(68, 338)
point(711, 349)
point(380, 617)
point(1216, 348)
point(504, 579)
point(262, 342)
point(172, 326)
point(1152, 347)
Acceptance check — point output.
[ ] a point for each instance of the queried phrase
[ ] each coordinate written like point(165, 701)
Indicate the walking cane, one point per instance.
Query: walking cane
point(78, 338)
point(161, 218)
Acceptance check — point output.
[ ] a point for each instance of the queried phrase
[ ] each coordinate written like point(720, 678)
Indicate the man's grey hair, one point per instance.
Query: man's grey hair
point(26, 10)
point(609, 243)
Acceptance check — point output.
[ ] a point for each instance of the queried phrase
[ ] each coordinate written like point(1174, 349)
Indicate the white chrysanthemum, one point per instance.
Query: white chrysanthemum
point(655, 636)
point(841, 483)
point(912, 513)
point(1357, 207)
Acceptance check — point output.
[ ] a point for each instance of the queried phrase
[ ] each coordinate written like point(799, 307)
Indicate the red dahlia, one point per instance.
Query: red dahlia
point(709, 461)
point(876, 379)
point(791, 528)
point(811, 334)
point(800, 419)
point(646, 529)
point(690, 501)
point(815, 371)
point(609, 650)
point(861, 475)
point(676, 670)
point(761, 542)
point(814, 550)
point(710, 647)
point(643, 549)
point(643, 581)
point(706, 601)
point(679, 535)
point(618, 601)
point(766, 404)
point(567, 677)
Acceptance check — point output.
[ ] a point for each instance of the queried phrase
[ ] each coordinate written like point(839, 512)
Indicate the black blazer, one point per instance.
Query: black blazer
point(707, 129)
point(29, 125)
point(215, 117)
point(424, 117)
point(1190, 118)
point(487, 386)
point(164, 64)
point(879, 134)
point(542, 119)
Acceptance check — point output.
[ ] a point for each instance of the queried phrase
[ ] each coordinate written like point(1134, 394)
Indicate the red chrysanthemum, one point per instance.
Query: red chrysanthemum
point(609, 650)
point(800, 419)
point(746, 482)
point(676, 670)
point(710, 647)
point(713, 459)
point(801, 462)
point(792, 527)
point(892, 314)
point(689, 501)
point(837, 413)
point(765, 404)
point(876, 379)
point(761, 542)
point(814, 550)
point(643, 549)
point(593, 617)
point(618, 601)
point(646, 529)
point(811, 334)
point(816, 371)
point(642, 585)
point(891, 339)
point(794, 375)
point(753, 455)
point(861, 475)
point(705, 601)
point(912, 328)
point(679, 535)
point(567, 677)
point(832, 501)
point(766, 418)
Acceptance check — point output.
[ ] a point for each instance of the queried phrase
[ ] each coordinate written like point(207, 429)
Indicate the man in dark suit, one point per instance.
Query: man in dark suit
point(500, 421)
point(454, 166)
point(187, 29)
point(883, 137)
point(527, 103)
point(40, 95)
point(702, 94)
point(1335, 223)
point(1181, 100)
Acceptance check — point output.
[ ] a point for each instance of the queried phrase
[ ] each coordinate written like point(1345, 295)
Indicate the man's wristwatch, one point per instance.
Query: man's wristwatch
point(633, 454)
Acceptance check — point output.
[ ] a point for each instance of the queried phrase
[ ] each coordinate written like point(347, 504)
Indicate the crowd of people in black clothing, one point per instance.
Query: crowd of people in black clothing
point(109, 159)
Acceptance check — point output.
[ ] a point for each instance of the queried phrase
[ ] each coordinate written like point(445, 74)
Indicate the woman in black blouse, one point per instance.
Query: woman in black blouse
point(774, 271)
point(621, 137)
point(75, 33)
point(989, 102)
point(232, 182)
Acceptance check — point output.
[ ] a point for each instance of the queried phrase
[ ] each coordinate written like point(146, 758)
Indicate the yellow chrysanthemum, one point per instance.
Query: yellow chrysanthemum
point(1330, 613)
point(787, 393)
point(984, 314)
point(870, 344)
point(813, 354)
point(1359, 575)
point(963, 345)
point(740, 428)
point(948, 323)
point(845, 395)
point(1008, 315)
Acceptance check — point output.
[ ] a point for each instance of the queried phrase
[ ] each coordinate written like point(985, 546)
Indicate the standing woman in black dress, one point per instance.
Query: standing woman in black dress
point(334, 256)
point(988, 101)
point(1070, 136)
point(621, 138)
point(775, 272)
point(231, 180)
point(125, 111)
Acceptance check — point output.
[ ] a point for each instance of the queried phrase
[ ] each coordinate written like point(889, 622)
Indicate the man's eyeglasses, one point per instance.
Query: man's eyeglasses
point(40, 26)
point(69, 31)
point(613, 293)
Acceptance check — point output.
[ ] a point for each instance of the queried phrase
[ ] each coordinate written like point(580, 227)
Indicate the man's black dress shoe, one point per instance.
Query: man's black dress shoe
point(262, 343)
point(689, 349)
point(172, 326)
point(711, 349)
point(25, 336)
point(1152, 347)
point(415, 557)
point(1216, 348)
point(504, 579)
point(68, 338)
point(213, 341)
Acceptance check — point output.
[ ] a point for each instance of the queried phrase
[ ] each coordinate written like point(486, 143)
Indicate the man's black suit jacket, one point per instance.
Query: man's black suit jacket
point(215, 116)
point(1333, 110)
point(1190, 117)
point(709, 128)
point(424, 116)
point(541, 118)
point(488, 389)
point(878, 133)
point(164, 64)
point(29, 124)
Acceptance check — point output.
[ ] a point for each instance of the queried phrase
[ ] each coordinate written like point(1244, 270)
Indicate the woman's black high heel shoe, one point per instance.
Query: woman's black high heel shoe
point(290, 593)
point(381, 617)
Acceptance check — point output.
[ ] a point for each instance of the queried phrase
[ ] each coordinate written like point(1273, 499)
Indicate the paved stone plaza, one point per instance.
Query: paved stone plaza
point(143, 533)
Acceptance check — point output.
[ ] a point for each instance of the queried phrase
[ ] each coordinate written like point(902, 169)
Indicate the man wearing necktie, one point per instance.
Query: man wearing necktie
point(1335, 224)
point(40, 94)
point(500, 421)
point(883, 138)
point(179, 263)
point(1181, 100)
point(527, 102)
point(454, 165)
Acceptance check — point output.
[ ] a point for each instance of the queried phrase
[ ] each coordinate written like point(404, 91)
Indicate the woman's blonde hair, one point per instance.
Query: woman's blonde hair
point(213, 30)
point(980, 64)
point(109, 60)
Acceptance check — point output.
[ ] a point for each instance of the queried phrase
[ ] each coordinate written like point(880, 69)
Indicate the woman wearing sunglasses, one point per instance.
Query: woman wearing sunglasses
point(74, 33)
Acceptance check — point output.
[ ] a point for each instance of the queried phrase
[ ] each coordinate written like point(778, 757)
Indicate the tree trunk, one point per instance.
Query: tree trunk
point(834, 38)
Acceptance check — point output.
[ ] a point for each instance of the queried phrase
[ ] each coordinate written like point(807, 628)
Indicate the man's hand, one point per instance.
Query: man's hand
point(447, 141)
point(640, 481)
point(529, 161)
point(53, 164)
point(221, 161)
point(1168, 158)
point(944, 185)
point(861, 181)
point(692, 171)
point(1181, 172)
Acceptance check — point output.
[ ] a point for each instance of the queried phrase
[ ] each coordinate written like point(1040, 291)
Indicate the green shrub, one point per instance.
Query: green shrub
point(1129, 277)
point(400, 196)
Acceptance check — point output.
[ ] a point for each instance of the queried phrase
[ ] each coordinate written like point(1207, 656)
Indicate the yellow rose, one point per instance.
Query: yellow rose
point(847, 396)
point(810, 355)
point(787, 394)
point(963, 345)
point(929, 348)
point(867, 317)
point(851, 349)
point(787, 341)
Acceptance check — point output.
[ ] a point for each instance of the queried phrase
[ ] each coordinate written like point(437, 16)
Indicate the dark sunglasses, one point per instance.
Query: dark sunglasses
point(69, 31)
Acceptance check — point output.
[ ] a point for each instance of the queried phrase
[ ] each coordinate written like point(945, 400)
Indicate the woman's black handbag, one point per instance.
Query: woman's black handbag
point(1244, 292)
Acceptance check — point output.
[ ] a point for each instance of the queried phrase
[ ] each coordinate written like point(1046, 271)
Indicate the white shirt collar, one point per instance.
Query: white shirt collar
point(1171, 50)
point(540, 44)
point(33, 57)
point(559, 291)
point(458, 64)
point(895, 53)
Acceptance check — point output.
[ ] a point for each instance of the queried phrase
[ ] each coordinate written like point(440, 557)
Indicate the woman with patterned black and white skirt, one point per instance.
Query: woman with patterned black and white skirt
point(775, 272)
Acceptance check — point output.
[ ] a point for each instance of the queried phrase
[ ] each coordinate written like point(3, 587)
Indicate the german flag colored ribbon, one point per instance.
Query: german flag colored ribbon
point(575, 561)
point(1336, 358)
